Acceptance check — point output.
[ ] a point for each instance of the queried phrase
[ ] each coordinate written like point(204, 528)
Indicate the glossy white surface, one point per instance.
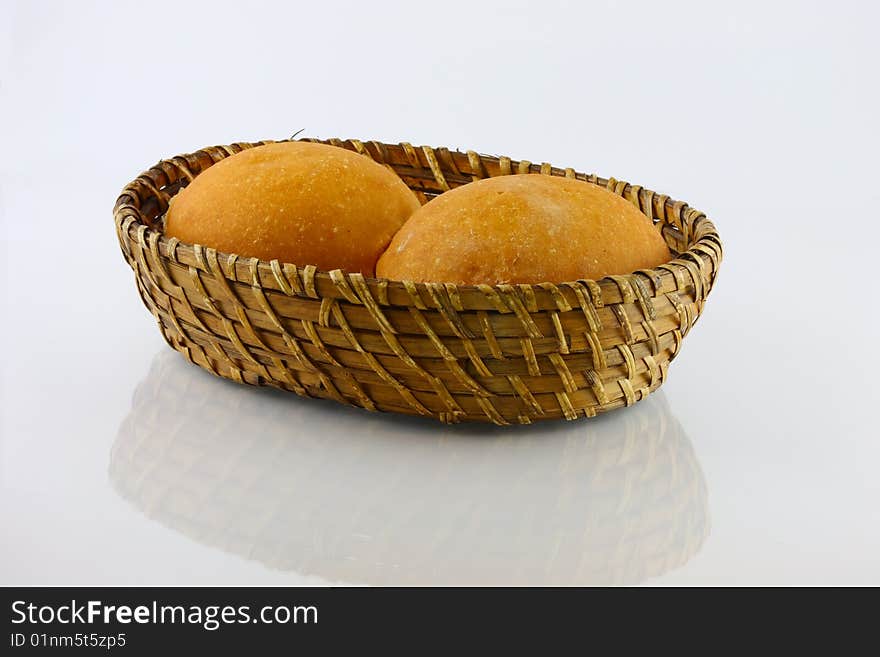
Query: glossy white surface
point(756, 463)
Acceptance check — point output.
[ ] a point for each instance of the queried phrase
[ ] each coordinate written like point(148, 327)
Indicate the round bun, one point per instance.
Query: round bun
point(523, 229)
point(298, 202)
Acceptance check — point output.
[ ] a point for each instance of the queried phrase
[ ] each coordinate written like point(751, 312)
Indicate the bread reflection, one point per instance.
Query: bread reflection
point(353, 497)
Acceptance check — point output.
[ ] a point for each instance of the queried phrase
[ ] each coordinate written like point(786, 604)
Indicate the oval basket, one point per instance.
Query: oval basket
point(502, 353)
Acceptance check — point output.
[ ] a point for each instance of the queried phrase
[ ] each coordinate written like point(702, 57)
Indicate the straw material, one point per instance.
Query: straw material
point(294, 486)
point(503, 354)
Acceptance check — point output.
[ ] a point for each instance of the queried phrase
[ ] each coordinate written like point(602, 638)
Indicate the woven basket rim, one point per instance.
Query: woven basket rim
point(702, 229)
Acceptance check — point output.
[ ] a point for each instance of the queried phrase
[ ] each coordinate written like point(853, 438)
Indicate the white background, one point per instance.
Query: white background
point(762, 114)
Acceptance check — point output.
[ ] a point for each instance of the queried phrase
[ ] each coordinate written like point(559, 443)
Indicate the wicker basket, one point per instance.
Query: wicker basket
point(294, 486)
point(503, 354)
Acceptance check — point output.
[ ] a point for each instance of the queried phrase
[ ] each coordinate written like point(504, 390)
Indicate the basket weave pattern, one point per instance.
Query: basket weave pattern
point(501, 353)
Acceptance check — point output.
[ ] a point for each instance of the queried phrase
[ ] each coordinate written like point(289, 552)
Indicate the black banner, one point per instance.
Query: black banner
point(418, 620)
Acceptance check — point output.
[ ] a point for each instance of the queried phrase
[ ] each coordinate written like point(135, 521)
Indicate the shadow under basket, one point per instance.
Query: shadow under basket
point(508, 354)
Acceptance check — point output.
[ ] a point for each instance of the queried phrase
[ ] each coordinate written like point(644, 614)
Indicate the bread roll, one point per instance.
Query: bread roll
point(523, 229)
point(299, 202)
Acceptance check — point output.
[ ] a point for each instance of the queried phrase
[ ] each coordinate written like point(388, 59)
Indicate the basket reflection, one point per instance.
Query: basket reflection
point(325, 490)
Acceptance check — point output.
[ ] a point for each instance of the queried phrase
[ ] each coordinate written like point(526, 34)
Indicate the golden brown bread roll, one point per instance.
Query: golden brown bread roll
point(299, 202)
point(523, 229)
